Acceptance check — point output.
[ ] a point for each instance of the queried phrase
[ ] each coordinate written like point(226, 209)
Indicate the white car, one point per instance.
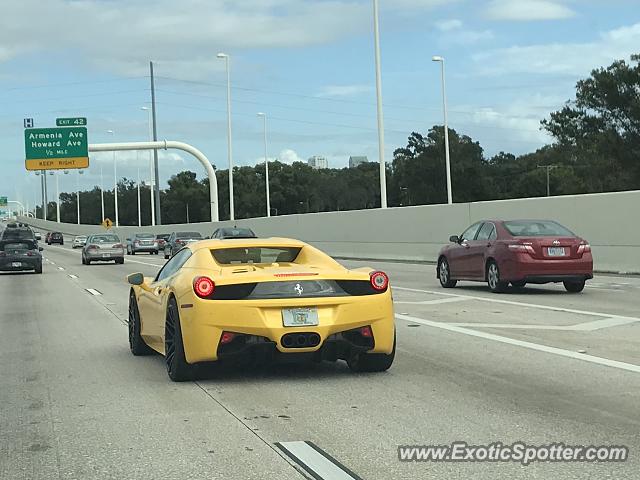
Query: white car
point(79, 241)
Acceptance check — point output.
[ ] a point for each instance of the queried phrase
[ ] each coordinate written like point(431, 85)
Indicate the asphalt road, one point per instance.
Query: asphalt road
point(536, 365)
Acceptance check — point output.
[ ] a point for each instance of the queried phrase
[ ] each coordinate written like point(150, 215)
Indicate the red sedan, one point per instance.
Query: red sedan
point(500, 252)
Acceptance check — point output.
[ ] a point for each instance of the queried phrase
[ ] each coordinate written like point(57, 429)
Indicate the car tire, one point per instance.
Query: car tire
point(444, 274)
point(119, 261)
point(574, 287)
point(519, 284)
point(496, 285)
point(177, 367)
point(373, 362)
point(166, 257)
point(128, 251)
point(136, 343)
point(38, 268)
point(133, 252)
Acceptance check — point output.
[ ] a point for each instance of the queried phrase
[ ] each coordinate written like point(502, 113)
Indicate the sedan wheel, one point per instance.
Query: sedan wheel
point(444, 274)
point(493, 278)
point(574, 287)
point(177, 367)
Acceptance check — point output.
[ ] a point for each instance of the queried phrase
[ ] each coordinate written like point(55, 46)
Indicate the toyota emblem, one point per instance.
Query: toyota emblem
point(556, 242)
point(298, 288)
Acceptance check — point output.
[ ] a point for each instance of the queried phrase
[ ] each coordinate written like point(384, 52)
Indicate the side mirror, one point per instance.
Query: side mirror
point(454, 239)
point(135, 279)
point(128, 239)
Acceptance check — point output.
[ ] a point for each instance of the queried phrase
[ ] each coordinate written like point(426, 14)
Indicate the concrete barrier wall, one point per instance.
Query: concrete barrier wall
point(609, 221)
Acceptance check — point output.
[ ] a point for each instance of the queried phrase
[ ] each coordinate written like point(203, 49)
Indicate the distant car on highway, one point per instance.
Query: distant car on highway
point(19, 250)
point(177, 240)
point(55, 237)
point(162, 240)
point(79, 241)
point(228, 232)
point(142, 242)
point(38, 235)
point(104, 247)
point(500, 252)
point(261, 298)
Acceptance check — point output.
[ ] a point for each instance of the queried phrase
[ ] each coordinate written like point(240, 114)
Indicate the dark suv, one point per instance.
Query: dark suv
point(55, 237)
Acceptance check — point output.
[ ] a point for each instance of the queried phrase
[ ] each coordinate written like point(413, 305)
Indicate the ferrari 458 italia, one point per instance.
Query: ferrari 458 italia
point(261, 299)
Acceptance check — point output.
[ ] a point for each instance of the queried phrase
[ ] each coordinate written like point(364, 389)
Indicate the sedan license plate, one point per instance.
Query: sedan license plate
point(299, 317)
point(16, 264)
point(555, 251)
point(105, 255)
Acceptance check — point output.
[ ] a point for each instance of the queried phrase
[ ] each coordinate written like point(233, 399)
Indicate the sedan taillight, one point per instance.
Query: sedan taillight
point(522, 248)
point(93, 247)
point(118, 245)
point(584, 247)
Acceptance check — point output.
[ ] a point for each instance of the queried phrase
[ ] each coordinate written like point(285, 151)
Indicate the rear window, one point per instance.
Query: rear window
point(145, 235)
point(537, 228)
point(162, 236)
point(188, 235)
point(244, 255)
point(104, 239)
point(18, 234)
point(237, 232)
point(8, 246)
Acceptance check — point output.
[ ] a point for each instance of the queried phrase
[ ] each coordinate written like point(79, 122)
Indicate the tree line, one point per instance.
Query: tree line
point(596, 148)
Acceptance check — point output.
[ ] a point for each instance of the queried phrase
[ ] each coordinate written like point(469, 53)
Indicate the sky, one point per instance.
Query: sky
point(307, 64)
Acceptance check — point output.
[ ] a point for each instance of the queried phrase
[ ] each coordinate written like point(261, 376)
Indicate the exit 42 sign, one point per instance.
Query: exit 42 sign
point(56, 148)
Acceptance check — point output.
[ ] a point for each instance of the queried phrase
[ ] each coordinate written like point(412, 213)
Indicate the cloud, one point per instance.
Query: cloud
point(121, 36)
point(289, 156)
point(343, 90)
point(415, 4)
point(448, 25)
point(573, 59)
point(527, 10)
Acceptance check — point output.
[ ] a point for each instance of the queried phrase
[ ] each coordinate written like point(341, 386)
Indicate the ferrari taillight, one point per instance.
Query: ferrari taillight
point(203, 286)
point(379, 280)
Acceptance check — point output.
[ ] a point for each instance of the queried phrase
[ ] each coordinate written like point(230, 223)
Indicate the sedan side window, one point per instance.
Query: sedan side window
point(173, 265)
point(470, 233)
point(486, 231)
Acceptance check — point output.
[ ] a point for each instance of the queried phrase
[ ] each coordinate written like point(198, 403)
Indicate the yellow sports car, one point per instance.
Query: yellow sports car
point(261, 299)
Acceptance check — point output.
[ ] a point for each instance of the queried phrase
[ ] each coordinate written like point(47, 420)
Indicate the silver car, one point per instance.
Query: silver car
point(104, 247)
point(79, 241)
point(142, 242)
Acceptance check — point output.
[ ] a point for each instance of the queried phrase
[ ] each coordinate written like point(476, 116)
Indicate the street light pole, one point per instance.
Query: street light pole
point(266, 162)
point(383, 172)
point(57, 198)
point(101, 193)
point(440, 59)
point(78, 195)
point(151, 184)
point(548, 168)
point(229, 143)
point(115, 183)
point(139, 212)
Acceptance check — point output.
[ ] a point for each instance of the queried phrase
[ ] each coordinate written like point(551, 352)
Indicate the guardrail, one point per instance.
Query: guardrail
point(609, 221)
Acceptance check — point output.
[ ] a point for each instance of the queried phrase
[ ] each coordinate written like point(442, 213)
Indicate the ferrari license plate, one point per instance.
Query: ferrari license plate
point(555, 251)
point(299, 317)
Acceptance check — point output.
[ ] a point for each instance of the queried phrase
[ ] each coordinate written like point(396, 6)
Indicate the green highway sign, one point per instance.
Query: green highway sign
point(3, 202)
point(71, 122)
point(56, 148)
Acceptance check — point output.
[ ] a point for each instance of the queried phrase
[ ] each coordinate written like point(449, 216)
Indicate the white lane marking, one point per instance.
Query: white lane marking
point(517, 304)
point(436, 302)
point(52, 263)
point(93, 291)
point(60, 268)
point(581, 327)
point(73, 276)
point(316, 462)
point(126, 260)
point(531, 346)
point(605, 323)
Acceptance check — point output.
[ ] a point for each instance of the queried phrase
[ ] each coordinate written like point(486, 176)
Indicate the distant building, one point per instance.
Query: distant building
point(318, 162)
point(354, 161)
